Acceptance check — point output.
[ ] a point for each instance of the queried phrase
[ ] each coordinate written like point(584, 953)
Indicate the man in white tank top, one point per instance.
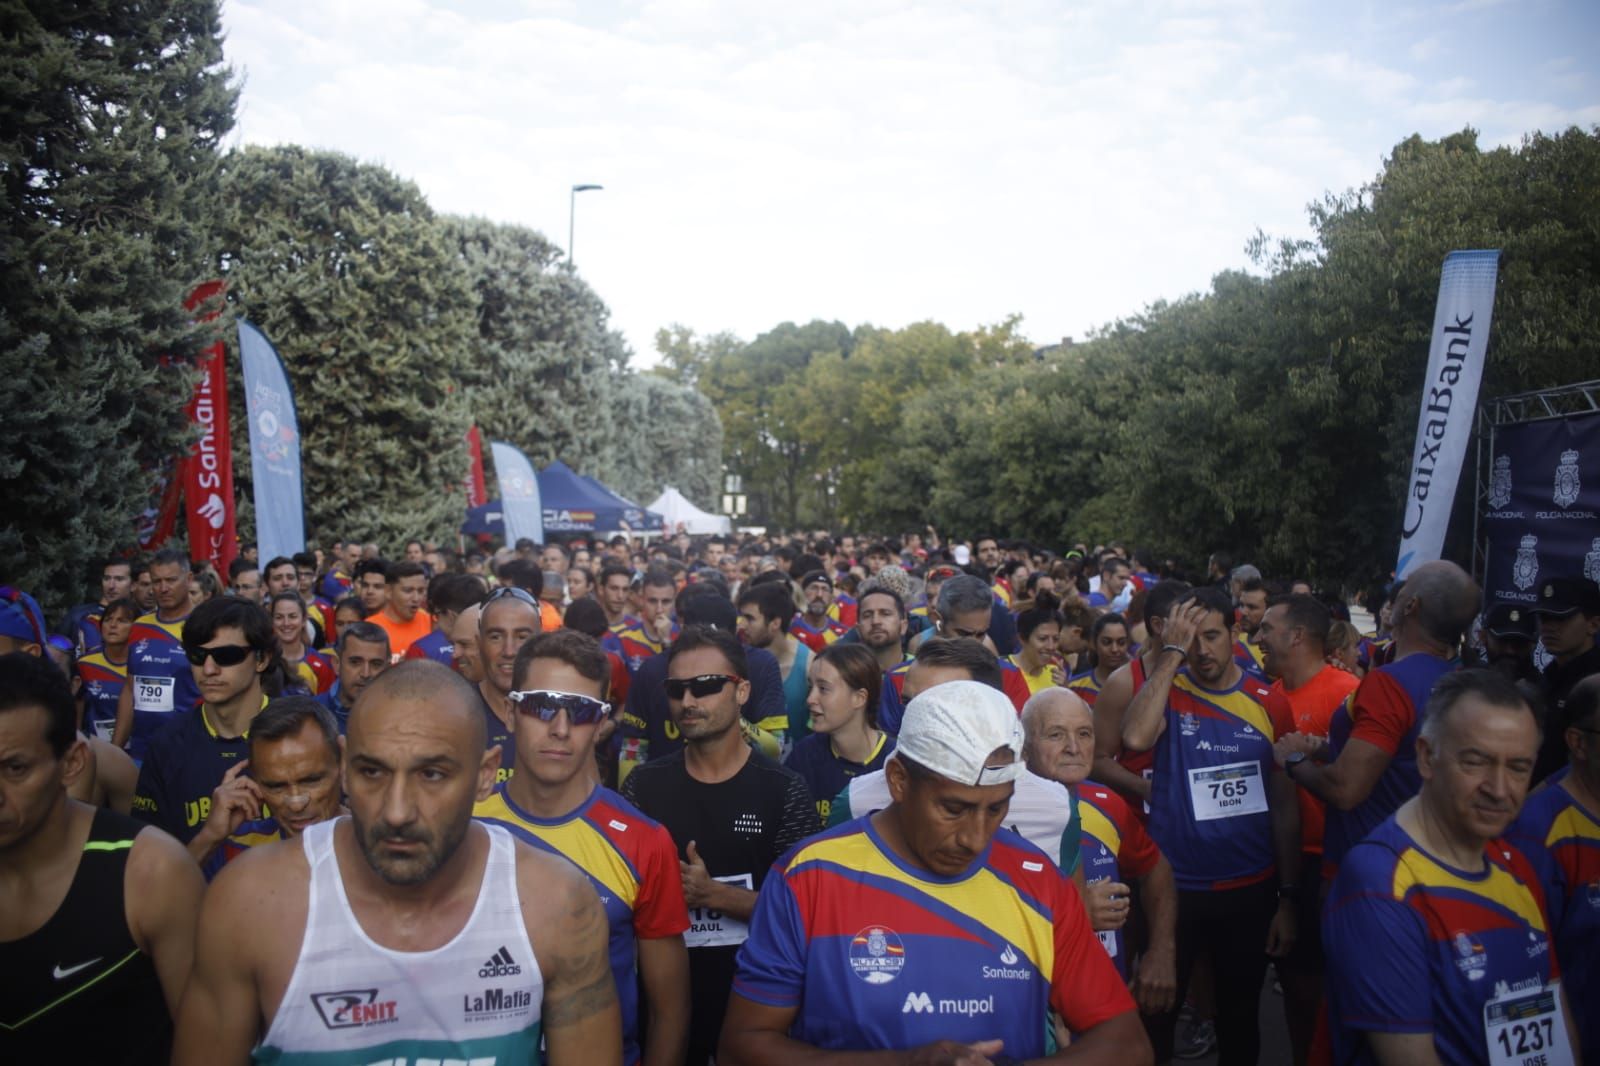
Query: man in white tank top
point(405, 933)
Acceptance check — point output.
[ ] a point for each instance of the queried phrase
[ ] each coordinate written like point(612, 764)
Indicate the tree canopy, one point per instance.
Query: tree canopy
point(110, 121)
point(1271, 416)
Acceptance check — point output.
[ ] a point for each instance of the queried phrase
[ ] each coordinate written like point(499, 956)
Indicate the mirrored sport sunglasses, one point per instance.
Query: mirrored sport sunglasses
point(512, 592)
point(702, 686)
point(225, 654)
point(544, 704)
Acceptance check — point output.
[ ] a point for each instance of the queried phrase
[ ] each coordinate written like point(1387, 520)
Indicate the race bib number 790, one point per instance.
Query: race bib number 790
point(153, 693)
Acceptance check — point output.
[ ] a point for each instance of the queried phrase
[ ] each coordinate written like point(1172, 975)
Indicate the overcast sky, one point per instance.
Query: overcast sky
point(887, 162)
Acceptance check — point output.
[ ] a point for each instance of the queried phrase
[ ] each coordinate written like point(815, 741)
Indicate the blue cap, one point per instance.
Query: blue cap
point(20, 617)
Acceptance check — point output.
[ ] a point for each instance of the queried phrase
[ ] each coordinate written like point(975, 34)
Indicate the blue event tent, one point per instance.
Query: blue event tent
point(572, 503)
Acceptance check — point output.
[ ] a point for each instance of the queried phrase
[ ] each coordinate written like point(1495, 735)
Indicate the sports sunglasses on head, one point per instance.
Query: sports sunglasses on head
point(225, 654)
point(511, 591)
point(544, 704)
point(702, 686)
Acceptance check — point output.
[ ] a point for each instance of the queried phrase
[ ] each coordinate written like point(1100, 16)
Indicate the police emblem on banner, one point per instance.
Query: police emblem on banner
point(1525, 571)
point(1500, 483)
point(1567, 485)
point(1591, 562)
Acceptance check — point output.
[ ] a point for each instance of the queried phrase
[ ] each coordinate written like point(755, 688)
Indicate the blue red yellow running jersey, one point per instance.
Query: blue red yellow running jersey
point(1209, 803)
point(633, 864)
point(878, 954)
point(1115, 848)
point(1085, 685)
point(160, 677)
point(816, 637)
point(1385, 710)
point(1417, 946)
point(1561, 838)
point(101, 682)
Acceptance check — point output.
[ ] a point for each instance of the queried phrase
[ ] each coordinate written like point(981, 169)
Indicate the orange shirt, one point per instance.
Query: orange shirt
point(549, 617)
point(402, 634)
point(1312, 706)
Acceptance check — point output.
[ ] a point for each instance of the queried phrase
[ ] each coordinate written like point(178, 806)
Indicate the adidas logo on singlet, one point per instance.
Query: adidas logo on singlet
point(500, 964)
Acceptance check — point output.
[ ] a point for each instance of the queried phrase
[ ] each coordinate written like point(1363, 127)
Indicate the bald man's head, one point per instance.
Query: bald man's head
point(1441, 599)
point(415, 763)
point(445, 697)
point(1058, 731)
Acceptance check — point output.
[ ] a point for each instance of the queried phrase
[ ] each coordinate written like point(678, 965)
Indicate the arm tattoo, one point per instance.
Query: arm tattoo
point(583, 984)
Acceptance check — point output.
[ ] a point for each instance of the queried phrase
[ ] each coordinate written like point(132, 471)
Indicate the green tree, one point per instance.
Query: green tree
point(543, 367)
point(367, 298)
point(674, 438)
point(110, 118)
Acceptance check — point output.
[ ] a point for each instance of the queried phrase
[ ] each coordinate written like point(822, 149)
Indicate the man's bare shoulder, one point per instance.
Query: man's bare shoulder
point(265, 887)
point(549, 885)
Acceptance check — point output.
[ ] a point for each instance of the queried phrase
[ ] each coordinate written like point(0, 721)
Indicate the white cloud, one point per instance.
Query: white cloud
point(866, 160)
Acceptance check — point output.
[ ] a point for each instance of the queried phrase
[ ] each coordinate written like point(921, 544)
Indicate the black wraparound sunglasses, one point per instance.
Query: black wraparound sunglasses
point(702, 686)
point(225, 654)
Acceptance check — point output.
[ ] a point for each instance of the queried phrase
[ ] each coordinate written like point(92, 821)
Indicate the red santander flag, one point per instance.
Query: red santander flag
point(207, 471)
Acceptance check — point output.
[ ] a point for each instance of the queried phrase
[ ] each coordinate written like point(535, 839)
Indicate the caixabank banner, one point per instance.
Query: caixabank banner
point(1543, 513)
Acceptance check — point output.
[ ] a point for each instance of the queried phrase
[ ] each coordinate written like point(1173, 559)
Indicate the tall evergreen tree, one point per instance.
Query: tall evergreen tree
point(542, 370)
point(110, 118)
point(344, 266)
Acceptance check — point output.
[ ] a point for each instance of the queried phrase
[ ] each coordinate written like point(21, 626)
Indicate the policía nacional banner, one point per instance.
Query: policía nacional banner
point(274, 446)
point(1542, 518)
point(1449, 403)
point(519, 493)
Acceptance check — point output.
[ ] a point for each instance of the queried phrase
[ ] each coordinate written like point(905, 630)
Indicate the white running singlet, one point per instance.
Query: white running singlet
point(352, 1002)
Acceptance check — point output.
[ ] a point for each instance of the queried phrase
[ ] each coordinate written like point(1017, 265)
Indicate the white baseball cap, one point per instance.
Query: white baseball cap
point(962, 554)
point(953, 728)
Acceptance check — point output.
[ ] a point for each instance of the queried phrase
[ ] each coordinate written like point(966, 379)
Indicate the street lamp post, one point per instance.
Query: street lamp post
point(572, 214)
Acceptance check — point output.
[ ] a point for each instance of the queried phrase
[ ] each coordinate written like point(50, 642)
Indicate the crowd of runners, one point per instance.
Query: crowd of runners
point(794, 799)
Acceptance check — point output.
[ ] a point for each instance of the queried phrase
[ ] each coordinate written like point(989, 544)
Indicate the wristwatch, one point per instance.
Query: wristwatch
point(1292, 761)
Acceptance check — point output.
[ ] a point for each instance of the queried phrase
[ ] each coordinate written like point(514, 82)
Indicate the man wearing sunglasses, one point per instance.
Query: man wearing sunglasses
point(731, 811)
point(228, 643)
point(555, 803)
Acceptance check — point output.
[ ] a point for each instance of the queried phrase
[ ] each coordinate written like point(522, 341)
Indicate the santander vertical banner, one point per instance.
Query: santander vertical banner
point(274, 446)
point(206, 473)
point(1449, 403)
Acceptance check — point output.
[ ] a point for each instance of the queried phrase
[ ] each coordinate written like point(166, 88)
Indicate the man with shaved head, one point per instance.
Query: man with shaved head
point(1366, 766)
point(1059, 744)
point(404, 931)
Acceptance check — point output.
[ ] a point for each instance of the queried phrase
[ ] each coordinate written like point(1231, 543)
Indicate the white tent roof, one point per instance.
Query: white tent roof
point(675, 510)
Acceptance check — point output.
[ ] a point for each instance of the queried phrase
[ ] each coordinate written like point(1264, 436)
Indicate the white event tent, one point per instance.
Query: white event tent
point(677, 512)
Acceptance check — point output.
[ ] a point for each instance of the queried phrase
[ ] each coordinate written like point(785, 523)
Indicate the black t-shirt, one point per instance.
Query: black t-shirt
point(740, 827)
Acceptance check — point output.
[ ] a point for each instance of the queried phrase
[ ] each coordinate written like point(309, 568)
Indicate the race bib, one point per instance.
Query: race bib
point(1527, 1029)
point(713, 929)
point(1108, 940)
point(1227, 791)
point(153, 693)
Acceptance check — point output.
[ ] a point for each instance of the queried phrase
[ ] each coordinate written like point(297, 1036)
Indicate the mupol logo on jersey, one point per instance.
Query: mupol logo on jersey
point(353, 1009)
point(917, 1003)
point(1591, 562)
point(1500, 483)
point(1471, 958)
point(876, 955)
point(1567, 484)
point(1206, 745)
point(1525, 571)
point(500, 964)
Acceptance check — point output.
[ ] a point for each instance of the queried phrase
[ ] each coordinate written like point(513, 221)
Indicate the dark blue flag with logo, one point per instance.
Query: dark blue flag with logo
point(1542, 517)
